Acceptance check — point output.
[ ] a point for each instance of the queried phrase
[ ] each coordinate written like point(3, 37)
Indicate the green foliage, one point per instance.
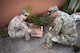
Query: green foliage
point(37, 20)
point(48, 20)
point(65, 6)
point(40, 19)
point(3, 32)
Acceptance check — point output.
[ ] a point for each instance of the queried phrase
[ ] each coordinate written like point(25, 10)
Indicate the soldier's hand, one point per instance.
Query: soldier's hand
point(50, 28)
point(32, 25)
point(33, 32)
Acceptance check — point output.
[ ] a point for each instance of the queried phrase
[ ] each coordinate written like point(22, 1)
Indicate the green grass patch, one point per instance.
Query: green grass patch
point(3, 32)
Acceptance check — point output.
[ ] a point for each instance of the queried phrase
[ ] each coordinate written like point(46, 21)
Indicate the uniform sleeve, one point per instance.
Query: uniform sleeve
point(57, 26)
point(26, 27)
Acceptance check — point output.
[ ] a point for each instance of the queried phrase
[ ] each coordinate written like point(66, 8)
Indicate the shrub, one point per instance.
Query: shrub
point(40, 19)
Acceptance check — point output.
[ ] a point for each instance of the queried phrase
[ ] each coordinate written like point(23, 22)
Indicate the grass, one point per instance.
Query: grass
point(3, 32)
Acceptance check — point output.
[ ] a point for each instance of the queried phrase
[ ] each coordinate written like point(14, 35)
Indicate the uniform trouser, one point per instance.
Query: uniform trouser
point(62, 39)
point(22, 33)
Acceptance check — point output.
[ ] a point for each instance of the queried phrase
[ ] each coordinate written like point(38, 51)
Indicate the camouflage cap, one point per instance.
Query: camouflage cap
point(53, 8)
point(24, 12)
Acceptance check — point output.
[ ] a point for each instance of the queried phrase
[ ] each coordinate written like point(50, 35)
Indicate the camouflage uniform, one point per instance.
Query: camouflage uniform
point(16, 28)
point(63, 31)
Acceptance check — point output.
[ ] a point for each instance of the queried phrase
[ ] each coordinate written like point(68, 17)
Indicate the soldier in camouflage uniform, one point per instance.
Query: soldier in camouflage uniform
point(18, 28)
point(63, 29)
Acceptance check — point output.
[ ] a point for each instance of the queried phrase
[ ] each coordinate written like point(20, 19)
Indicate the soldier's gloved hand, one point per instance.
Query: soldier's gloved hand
point(33, 32)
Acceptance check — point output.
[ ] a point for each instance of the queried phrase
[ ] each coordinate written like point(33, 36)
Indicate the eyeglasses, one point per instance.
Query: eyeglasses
point(52, 11)
point(25, 15)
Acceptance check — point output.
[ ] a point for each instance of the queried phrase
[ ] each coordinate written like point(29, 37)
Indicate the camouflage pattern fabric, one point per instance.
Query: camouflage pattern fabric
point(17, 30)
point(63, 31)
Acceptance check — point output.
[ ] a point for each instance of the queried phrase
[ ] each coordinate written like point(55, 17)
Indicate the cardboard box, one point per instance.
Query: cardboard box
point(38, 30)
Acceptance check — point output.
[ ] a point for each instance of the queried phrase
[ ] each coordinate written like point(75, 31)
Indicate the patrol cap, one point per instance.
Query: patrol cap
point(53, 8)
point(24, 12)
